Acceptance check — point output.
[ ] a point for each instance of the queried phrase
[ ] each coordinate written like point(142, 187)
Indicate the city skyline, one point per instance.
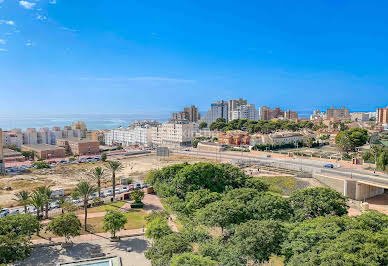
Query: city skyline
point(133, 57)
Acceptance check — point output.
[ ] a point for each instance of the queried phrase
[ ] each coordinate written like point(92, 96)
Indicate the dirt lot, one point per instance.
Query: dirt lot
point(67, 176)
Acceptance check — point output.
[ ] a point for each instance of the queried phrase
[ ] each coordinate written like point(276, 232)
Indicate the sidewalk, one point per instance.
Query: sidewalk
point(88, 237)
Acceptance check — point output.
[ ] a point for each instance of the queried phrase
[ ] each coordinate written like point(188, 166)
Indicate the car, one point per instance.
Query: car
point(53, 164)
point(145, 185)
point(117, 190)
point(131, 186)
point(329, 165)
point(54, 205)
point(14, 211)
point(109, 192)
point(4, 212)
point(138, 185)
point(124, 189)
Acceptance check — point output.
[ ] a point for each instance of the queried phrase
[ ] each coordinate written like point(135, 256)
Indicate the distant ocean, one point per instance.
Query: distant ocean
point(93, 121)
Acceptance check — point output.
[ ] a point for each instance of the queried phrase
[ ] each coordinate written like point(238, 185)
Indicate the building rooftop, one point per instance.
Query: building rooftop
point(78, 140)
point(43, 147)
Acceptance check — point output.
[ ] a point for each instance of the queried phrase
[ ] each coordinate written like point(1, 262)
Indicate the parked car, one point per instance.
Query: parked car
point(131, 186)
point(14, 211)
point(329, 165)
point(4, 212)
point(124, 189)
point(117, 190)
point(109, 192)
point(138, 185)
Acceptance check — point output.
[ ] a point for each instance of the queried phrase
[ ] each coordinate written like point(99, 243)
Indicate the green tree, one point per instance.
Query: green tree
point(314, 202)
point(349, 139)
point(157, 228)
point(114, 166)
point(85, 190)
point(98, 174)
point(15, 235)
point(41, 165)
point(37, 200)
point(200, 198)
point(23, 199)
point(222, 213)
point(267, 206)
point(382, 160)
point(137, 195)
point(47, 193)
point(353, 247)
point(114, 221)
point(202, 125)
point(67, 225)
point(189, 259)
point(258, 240)
point(103, 156)
point(162, 249)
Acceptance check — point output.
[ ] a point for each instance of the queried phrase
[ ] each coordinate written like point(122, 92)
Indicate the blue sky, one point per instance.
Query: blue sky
point(123, 56)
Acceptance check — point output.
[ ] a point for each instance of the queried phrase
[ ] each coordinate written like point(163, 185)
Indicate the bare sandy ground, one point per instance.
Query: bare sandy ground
point(67, 176)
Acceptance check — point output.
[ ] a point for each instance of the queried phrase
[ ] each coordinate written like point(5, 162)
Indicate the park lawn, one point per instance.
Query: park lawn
point(103, 208)
point(136, 220)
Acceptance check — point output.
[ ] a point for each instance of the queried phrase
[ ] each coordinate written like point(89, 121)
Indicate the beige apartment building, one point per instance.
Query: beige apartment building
point(79, 146)
point(173, 134)
point(382, 115)
point(189, 113)
point(337, 114)
point(45, 151)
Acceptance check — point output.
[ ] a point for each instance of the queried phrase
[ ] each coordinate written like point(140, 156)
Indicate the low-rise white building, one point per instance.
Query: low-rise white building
point(173, 134)
point(140, 135)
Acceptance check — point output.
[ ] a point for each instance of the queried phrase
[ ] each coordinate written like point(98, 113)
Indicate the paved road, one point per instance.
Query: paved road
point(297, 163)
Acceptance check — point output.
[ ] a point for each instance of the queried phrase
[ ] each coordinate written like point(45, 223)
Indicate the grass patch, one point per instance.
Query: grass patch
point(281, 184)
point(136, 220)
point(104, 208)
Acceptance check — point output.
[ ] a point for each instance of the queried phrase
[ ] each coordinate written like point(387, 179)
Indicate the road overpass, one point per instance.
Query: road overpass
point(354, 183)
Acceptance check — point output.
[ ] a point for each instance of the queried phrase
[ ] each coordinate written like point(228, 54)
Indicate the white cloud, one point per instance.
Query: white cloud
point(53, 2)
point(3, 50)
point(29, 43)
point(1, 1)
point(27, 5)
point(41, 17)
point(2, 41)
point(68, 29)
point(8, 22)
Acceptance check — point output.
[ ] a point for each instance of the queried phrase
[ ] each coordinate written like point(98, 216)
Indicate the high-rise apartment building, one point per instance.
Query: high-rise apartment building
point(233, 106)
point(217, 109)
point(189, 113)
point(266, 113)
point(246, 111)
point(340, 114)
point(30, 136)
point(291, 115)
point(81, 126)
point(382, 115)
point(129, 136)
point(2, 167)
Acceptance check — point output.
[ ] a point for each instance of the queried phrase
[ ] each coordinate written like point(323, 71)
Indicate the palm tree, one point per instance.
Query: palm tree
point(47, 193)
point(114, 166)
point(22, 197)
point(61, 202)
point(42, 190)
point(98, 174)
point(37, 200)
point(85, 190)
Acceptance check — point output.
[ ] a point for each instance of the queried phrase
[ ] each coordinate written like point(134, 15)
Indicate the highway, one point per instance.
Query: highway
point(313, 166)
